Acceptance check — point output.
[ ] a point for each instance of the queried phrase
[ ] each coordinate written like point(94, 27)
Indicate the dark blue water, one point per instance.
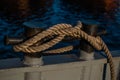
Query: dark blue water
point(105, 13)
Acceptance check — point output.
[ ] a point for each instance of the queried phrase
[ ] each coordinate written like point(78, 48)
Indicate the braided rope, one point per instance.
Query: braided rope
point(110, 59)
point(44, 46)
point(62, 30)
point(25, 47)
point(60, 50)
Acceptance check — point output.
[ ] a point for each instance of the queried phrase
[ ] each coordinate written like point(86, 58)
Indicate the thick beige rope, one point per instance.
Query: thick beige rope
point(60, 50)
point(27, 45)
point(109, 57)
point(62, 30)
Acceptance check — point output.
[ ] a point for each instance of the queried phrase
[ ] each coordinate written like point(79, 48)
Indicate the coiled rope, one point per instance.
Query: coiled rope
point(61, 31)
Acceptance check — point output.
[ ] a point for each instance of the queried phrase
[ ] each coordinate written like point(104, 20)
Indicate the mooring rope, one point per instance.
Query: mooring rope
point(61, 31)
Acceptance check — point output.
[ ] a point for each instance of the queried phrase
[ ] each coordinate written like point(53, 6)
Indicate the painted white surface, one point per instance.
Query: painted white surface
point(74, 70)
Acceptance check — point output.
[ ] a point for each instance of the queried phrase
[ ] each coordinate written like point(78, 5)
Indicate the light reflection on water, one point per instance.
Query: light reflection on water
point(13, 13)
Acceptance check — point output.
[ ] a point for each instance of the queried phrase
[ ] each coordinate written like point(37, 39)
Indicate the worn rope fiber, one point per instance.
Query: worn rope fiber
point(62, 30)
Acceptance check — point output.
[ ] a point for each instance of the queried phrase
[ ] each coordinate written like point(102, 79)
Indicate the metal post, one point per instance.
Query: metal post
point(12, 41)
point(35, 59)
point(86, 50)
point(33, 62)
